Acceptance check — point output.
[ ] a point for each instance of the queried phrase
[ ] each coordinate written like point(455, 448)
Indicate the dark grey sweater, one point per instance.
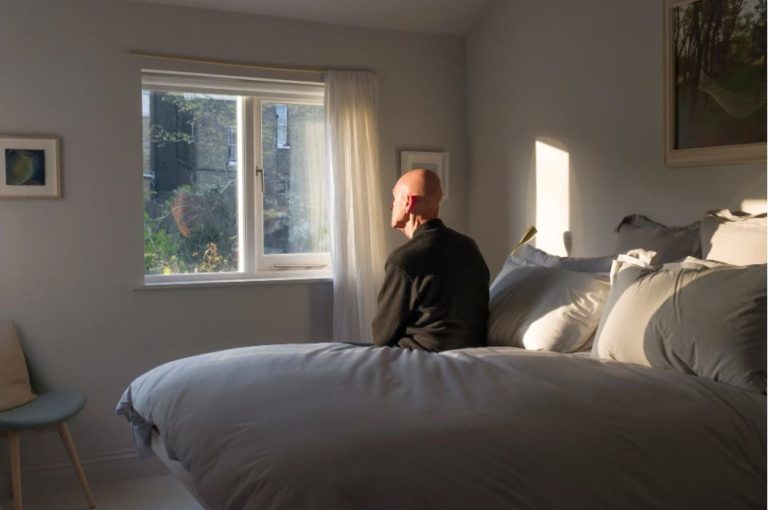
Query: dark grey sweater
point(435, 292)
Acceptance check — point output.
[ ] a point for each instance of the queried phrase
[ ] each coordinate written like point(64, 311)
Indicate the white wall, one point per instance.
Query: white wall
point(69, 264)
point(588, 76)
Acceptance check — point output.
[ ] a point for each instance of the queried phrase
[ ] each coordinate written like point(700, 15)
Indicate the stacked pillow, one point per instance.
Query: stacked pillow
point(669, 243)
point(734, 237)
point(696, 317)
point(541, 301)
point(545, 302)
point(528, 255)
point(702, 316)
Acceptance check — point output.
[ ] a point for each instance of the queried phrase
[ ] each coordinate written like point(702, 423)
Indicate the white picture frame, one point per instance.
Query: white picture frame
point(438, 162)
point(29, 167)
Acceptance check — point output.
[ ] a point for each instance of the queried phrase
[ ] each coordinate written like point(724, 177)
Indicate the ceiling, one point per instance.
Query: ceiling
point(453, 17)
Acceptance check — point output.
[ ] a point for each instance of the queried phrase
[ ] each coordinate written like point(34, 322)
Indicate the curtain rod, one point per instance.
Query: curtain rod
point(182, 58)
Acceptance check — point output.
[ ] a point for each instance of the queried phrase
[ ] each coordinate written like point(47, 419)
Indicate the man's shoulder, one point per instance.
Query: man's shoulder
point(412, 257)
point(454, 240)
point(454, 234)
point(402, 255)
point(419, 253)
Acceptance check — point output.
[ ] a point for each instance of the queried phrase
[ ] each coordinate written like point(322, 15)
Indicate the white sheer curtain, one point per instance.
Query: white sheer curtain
point(357, 220)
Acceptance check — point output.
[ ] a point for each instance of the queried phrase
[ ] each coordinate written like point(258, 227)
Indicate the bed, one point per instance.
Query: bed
point(642, 388)
point(339, 426)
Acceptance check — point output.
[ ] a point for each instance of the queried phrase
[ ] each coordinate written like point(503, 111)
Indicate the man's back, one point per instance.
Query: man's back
point(435, 294)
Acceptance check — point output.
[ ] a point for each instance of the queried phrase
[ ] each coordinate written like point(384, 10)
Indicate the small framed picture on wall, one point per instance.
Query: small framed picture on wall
point(435, 161)
point(29, 167)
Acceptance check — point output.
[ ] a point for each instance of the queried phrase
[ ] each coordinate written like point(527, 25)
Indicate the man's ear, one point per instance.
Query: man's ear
point(410, 203)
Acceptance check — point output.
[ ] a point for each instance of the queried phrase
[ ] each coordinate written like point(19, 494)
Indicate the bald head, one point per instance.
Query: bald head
point(417, 195)
point(425, 186)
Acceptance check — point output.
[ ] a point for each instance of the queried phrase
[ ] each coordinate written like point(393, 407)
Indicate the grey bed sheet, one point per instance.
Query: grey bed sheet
point(335, 426)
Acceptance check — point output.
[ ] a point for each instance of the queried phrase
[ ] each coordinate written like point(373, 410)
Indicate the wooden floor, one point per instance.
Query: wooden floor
point(152, 493)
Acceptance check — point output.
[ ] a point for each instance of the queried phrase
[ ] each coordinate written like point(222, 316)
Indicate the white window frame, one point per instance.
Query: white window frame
point(254, 264)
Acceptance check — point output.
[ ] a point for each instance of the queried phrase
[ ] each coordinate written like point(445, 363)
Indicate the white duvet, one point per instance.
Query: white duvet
point(335, 426)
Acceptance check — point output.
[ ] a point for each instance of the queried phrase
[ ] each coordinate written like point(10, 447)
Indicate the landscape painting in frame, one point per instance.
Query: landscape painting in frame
point(29, 167)
point(434, 161)
point(715, 81)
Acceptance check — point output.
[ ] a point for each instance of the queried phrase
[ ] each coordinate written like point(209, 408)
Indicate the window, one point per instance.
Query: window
point(235, 185)
point(232, 145)
point(281, 112)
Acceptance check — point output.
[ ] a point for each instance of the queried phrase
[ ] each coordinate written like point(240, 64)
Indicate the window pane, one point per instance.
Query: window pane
point(295, 184)
point(190, 183)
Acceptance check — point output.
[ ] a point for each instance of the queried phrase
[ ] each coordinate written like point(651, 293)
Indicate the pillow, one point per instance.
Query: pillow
point(734, 237)
point(693, 263)
point(707, 321)
point(582, 265)
point(15, 389)
point(541, 308)
point(525, 255)
point(670, 243)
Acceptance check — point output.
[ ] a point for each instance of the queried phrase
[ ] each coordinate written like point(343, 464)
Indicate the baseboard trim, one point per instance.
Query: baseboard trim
point(35, 467)
point(39, 477)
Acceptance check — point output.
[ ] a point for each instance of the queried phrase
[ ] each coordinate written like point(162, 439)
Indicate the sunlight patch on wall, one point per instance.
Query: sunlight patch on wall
point(754, 205)
point(552, 197)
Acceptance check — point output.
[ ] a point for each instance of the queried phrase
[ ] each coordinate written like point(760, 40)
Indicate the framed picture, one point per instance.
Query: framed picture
point(29, 167)
point(435, 161)
point(714, 82)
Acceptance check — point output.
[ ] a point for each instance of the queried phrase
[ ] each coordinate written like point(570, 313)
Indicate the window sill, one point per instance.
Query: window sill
point(276, 278)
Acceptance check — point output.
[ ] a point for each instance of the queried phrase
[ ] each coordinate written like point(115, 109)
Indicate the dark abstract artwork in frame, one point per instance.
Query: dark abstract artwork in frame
point(29, 167)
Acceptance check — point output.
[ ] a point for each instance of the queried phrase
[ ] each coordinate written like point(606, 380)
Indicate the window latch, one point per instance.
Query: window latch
point(260, 175)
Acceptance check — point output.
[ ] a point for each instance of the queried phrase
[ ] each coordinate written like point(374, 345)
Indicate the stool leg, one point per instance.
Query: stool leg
point(70, 445)
point(15, 447)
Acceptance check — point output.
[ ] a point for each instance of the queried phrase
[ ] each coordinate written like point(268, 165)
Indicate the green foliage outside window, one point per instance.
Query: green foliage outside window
point(190, 203)
point(191, 189)
point(192, 231)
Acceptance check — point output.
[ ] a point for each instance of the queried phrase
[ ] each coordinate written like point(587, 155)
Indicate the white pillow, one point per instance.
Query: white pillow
point(540, 308)
point(695, 317)
point(734, 237)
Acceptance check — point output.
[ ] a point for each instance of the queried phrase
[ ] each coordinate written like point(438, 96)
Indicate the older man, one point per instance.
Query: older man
point(435, 291)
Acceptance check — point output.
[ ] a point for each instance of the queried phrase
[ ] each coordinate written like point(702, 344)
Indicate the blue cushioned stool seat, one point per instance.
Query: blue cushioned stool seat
point(47, 409)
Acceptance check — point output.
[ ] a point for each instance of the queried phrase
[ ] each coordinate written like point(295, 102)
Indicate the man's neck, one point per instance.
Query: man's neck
point(414, 222)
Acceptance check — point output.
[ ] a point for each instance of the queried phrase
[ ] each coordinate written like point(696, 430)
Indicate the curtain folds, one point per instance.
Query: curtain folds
point(357, 221)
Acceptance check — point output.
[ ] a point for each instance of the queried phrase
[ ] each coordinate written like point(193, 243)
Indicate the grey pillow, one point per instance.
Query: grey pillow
point(670, 243)
point(580, 264)
point(526, 255)
point(707, 321)
point(540, 308)
point(734, 237)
